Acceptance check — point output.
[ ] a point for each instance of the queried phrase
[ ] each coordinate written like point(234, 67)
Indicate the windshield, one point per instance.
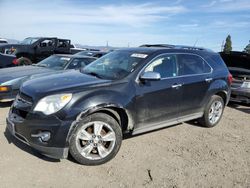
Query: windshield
point(115, 65)
point(54, 62)
point(29, 40)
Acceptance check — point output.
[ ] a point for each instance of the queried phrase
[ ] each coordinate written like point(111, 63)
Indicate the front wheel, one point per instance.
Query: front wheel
point(23, 61)
point(213, 112)
point(96, 139)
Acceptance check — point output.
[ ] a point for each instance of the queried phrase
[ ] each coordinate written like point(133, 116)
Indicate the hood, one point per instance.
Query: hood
point(8, 74)
point(64, 82)
point(235, 71)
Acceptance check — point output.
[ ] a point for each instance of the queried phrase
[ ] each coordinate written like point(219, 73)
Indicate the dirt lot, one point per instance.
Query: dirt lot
point(181, 156)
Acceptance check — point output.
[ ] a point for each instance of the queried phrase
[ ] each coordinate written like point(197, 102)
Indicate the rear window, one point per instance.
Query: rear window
point(192, 64)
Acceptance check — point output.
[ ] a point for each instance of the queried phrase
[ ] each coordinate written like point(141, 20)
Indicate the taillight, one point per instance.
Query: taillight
point(230, 78)
point(15, 62)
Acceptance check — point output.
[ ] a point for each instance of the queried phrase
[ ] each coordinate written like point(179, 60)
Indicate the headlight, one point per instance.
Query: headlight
point(246, 85)
point(4, 88)
point(52, 104)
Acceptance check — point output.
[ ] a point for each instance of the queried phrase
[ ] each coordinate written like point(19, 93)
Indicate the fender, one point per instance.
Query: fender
point(26, 55)
point(103, 106)
point(218, 86)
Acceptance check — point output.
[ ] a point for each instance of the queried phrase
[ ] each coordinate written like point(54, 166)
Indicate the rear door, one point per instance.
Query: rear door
point(158, 101)
point(196, 75)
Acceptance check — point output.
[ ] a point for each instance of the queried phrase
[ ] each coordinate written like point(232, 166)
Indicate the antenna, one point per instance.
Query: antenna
point(196, 42)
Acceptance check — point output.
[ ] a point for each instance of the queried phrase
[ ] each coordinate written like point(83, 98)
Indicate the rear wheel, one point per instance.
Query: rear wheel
point(213, 112)
point(23, 61)
point(96, 139)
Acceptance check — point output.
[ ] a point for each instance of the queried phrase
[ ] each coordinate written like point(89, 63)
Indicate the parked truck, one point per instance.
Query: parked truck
point(34, 49)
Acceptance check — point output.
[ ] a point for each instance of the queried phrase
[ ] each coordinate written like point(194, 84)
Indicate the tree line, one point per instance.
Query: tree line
point(228, 46)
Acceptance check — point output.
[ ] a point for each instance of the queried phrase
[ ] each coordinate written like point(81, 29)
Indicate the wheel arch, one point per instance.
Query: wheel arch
point(223, 95)
point(120, 114)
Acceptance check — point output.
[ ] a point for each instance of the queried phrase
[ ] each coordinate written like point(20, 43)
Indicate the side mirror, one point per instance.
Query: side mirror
point(150, 76)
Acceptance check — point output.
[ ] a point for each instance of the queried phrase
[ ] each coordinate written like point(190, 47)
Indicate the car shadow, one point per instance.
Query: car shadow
point(12, 140)
point(5, 104)
point(195, 123)
point(129, 136)
point(240, 106)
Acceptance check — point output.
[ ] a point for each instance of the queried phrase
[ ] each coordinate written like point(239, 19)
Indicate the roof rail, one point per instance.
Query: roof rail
point(174, 46)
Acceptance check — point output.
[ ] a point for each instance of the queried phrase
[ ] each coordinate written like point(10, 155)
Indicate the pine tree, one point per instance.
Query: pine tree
point(228, 44)
point(247, 48)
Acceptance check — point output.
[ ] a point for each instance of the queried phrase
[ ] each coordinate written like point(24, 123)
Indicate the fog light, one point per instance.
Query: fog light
point(44, 136)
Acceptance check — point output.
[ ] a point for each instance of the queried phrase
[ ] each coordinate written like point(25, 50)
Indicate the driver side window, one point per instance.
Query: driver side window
point(164, 65)
point(47, 43)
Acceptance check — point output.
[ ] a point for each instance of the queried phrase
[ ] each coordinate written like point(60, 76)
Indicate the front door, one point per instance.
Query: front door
point(158, 101)
point(45, 48)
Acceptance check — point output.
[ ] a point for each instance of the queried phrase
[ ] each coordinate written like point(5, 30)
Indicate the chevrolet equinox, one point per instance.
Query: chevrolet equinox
point(129, 91)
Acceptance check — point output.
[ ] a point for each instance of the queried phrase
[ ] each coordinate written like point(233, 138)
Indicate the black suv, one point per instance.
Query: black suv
point(127, 92)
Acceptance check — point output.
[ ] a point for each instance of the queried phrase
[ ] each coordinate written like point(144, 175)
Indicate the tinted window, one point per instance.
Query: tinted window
point(78, 63)
point(47, 43)
point(192, 64)
point(63, 43)
point(29, 40)
point(54, 62)
point(165, 65)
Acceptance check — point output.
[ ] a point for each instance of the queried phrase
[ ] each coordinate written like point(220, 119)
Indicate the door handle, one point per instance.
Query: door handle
point(208, 79)
point(176, 85)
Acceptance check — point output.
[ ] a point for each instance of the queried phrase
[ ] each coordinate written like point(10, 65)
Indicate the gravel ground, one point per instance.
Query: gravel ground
point(181, 156)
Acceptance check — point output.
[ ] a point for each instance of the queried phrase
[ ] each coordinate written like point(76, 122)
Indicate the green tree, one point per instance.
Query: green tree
point(228, 44)
point(247, 48)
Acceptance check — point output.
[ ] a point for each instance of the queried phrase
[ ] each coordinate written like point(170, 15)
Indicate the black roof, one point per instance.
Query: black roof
point(171, 46)
point(75, 56)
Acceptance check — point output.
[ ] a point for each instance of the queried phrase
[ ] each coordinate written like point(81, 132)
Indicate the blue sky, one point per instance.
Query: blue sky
point(206, 23)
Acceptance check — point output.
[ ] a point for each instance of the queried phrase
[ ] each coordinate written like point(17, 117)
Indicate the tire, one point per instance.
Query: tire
point(206, 120)
point(24, 61)
point(85, 136)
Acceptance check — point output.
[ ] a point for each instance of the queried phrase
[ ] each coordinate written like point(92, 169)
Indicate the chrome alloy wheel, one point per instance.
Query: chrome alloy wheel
point(95, 140)
point(215, 112)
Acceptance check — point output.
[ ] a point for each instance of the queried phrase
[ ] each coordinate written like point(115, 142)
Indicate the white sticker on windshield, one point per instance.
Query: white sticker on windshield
point(139, 55)
point(65, 58)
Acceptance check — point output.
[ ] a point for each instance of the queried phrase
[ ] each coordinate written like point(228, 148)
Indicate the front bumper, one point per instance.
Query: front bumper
point(240, 95)
point(23, 129)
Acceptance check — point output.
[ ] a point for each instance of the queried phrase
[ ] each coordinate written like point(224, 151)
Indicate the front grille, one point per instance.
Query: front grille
point(21, 113)
point(22, 105)
point(25, 98)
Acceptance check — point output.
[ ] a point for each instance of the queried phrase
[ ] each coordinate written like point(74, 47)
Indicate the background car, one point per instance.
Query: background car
point(34, 49)
point(239, 65)
point(96, 54)
point(3, 41)
point(7, 60)
point(12, 78)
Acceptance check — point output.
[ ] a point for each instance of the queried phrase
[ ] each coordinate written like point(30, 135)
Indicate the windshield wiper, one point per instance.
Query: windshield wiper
point(94, 74)
point(40, 65)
